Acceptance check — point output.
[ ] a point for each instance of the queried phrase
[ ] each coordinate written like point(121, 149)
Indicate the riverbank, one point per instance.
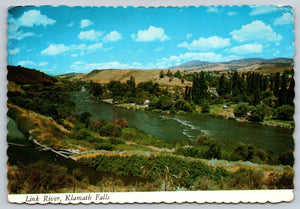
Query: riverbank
point(216, 111)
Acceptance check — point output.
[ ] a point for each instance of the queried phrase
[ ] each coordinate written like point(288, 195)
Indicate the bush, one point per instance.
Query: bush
point(287, 158)
point(40, 177)
point(241, 109)
point(111, 129)
point(280, 181)
point(205, 107)
point(85, 118)
point(203, 139)
point(285, 112)
point(180, 104)
point(213, 152)
point(257, 113)
point(81, 134)
point(104, 146)
point(121, 122)
point(247, 179)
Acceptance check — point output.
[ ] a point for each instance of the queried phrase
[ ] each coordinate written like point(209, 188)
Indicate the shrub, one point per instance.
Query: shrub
point(104, 146)
point(111, 129)
point(121, 122)
point(203, 139)
point(285, 112)
point(247, 179)
point(214, 151)
point(287, 158)
point(257, 113)
point(280, 181)
point(84, 116)
point(205, 107)
point(241, 109)
point(180, 104)
point(40, 177)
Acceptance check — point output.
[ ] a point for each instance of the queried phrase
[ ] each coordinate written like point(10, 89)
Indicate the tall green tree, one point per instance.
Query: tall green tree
point(199, 89)
point(224, 86)
point(283, 92)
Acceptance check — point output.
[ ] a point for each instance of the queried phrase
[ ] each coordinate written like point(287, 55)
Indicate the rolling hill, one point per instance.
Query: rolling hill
point(21, 75)
point(105, 76)
point(249, 64)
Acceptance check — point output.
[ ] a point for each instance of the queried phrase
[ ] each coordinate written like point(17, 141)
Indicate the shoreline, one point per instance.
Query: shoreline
point(142, 108)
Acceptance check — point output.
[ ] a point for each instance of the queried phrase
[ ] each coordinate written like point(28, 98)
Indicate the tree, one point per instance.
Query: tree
point(199, 89)
point(291, 92)
point(177, 74)
point(224, 86)
point(161, 74)
point(283, 92)
point(277, 84)
point(170, 74)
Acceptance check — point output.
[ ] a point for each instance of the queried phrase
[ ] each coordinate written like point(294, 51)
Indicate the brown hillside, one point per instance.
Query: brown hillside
point(105, 76)
point(22, 75)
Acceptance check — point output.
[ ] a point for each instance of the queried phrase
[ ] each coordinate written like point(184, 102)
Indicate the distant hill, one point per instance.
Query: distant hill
point(68, 75)
point(105, 76)
point(249, 64)
point(21, 75)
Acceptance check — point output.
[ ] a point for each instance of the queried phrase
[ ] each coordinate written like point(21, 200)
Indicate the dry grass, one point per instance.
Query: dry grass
point(105, 76)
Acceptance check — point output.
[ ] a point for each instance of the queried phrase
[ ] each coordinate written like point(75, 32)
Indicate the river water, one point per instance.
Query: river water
point(185, 127)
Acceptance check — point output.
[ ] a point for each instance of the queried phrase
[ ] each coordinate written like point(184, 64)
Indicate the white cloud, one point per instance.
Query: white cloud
point(19, 35)
point(157, 49)
point(183, 44)
point(28, 19)
point(264, 9)
point(90, 35)
point(203, 56)
point(43, 64)
point(25, 63)
point(55, 49)
point(14, 51)
point(201, 44)
point(71, 24)
point(257, 30)
point(276, 53)
point(247, 49)
point(231, 13)
point(286, 18)
point(112, 36)
point(34, 17)
point(94, 47)
point(213, 9)
point(189, 35)
point(74, 49)
point(86, 23)
point(150, 34)
point(87, 67)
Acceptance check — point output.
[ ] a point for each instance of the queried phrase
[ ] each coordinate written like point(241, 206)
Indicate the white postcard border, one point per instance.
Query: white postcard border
point(232, 196)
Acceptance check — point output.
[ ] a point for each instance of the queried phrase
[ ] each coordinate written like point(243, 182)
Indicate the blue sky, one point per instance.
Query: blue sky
point(63, 39)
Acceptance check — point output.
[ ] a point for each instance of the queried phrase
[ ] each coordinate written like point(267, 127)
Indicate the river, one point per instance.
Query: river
point(186, 126)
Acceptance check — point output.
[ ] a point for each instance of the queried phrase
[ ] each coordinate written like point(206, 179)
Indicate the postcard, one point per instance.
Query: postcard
point(144, 104)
